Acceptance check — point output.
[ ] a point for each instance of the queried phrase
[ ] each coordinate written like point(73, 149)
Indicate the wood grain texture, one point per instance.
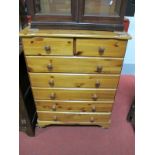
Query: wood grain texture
point(58, 80)
point(74, 64)
point(47, 123)
point(73, 117)
point(91, 47)
point(72, 94)
point(74, 106)
point(73, 33)
point(57, 46)
point(74, 90)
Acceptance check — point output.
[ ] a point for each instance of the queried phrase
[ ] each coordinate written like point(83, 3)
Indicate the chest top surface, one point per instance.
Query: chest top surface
point(74, 33)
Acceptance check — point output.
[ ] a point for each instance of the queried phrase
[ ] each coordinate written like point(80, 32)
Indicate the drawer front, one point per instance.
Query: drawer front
point(73, 94)
point(73, 117)
point(58, 80)
point(48, 46)
point(74, 64)
point(74, 106)
point(101, 47)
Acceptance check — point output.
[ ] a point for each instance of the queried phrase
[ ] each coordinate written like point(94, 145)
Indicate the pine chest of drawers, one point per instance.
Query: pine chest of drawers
point(74, 74)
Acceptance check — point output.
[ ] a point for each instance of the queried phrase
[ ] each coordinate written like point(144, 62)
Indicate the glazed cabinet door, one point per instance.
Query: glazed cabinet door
point(52, 10)
point(99, 11)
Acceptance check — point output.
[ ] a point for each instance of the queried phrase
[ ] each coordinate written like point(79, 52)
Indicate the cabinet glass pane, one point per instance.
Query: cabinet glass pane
point(102, 7)
point(53, 7)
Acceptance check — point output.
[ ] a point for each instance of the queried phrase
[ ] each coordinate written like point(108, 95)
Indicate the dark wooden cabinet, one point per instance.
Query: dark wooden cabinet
point(27, 110)
point(100, 11)
point(48, 11)
point(77, 14)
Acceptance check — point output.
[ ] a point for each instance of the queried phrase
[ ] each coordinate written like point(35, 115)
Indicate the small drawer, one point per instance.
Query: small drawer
point(73, 117)
point(73, 94)
point(74, 64)
point(58, 80)
point(47, 46)
point(100, 47)
point(74, 106)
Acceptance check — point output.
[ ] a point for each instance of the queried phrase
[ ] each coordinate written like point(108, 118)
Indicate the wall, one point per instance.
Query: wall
point(129, 60)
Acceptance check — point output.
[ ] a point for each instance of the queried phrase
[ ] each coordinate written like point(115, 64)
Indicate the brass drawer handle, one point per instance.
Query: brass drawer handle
point(101, 50)
point(51, 83)
point(49, 67)
point(99, 69)
point(55, 118)
point(93, 108)
point(54, 107)
point(92, 119)
point(97, 84)
point(94, 97)
point(47, 49)
point(53, 96)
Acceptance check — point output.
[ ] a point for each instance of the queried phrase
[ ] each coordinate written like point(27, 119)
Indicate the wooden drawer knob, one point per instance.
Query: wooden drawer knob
point(101, 50)
point(49, 67)
point(77, 53)
point(51, 83)
point(54, 107)
point(93, 108)
point(97, 84)
point(116, 44)
point(47, 49)
point(92, 119)
point(53, 96)
point(99, 69)
point(55, 118)
point(94, 97)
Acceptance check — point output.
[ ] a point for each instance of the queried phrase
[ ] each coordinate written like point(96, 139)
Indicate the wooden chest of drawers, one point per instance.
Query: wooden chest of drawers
point(74, 74)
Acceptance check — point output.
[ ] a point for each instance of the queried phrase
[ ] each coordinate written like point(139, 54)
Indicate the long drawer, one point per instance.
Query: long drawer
point(73, 117)
point(75, 106)
point(48, 46)
point(73, 94)
point(74, 64)
point(101, 47)
point(62, 80)
point(104, 124)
